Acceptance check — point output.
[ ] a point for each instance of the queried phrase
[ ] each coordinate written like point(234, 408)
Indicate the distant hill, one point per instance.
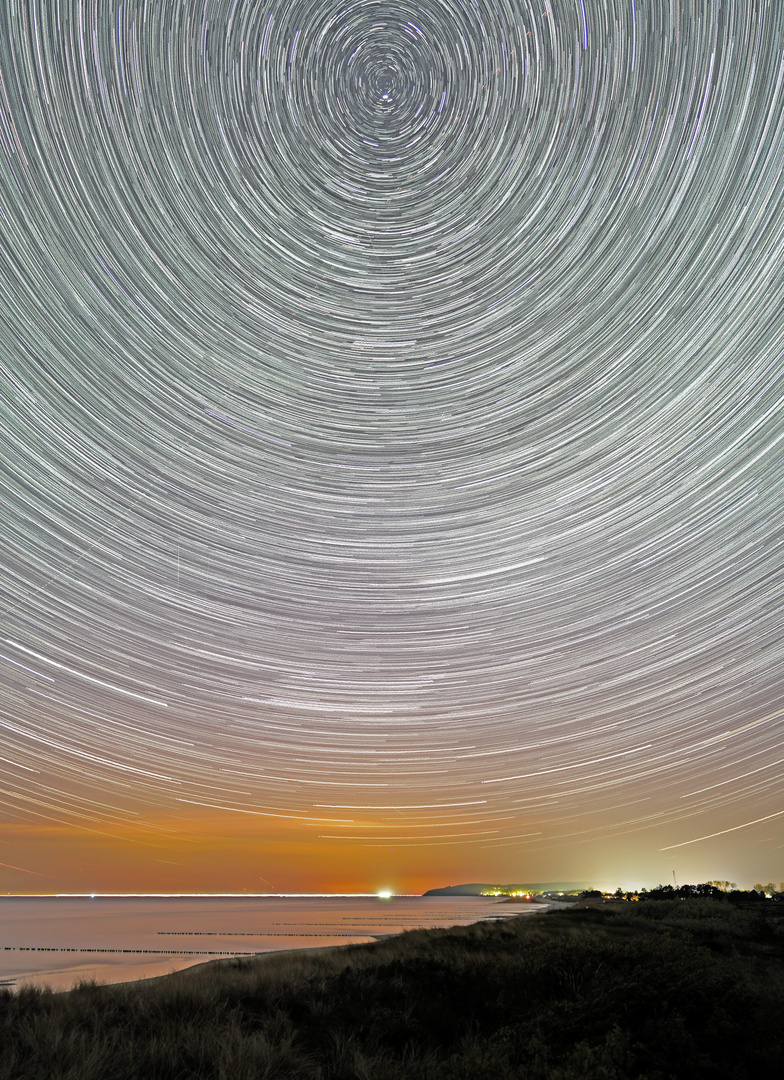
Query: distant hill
point(476, 888)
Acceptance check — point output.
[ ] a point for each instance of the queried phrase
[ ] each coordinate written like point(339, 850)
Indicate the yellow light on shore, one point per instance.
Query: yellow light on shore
point(384, 894)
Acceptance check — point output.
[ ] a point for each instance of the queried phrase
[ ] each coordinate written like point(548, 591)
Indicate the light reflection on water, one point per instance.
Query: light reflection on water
point(58, 941)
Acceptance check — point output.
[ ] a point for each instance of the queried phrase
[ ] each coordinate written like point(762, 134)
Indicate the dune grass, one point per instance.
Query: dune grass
point(655, 991)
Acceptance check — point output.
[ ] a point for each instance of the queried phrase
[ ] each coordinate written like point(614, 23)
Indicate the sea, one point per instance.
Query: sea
point(58, 941)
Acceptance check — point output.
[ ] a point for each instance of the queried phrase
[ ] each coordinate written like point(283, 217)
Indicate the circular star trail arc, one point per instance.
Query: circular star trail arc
point(392, 415)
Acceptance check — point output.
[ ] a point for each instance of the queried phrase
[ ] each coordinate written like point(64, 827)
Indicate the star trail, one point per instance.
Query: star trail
point(392, 446)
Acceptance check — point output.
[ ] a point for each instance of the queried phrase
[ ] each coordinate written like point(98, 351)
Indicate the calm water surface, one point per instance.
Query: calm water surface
point(57, 941)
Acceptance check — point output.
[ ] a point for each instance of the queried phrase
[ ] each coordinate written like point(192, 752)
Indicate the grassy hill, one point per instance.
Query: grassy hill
point(650, 991)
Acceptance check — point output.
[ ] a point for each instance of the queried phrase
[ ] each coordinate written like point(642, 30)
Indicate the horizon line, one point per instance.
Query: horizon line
point(96, 896)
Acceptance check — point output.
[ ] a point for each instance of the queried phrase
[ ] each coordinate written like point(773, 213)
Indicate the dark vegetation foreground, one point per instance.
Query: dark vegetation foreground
point(654, 990)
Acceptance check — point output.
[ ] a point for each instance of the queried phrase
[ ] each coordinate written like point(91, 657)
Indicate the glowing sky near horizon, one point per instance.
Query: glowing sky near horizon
point(392, 446)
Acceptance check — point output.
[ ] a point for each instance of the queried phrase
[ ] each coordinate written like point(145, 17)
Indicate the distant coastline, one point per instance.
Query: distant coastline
point(484, 888)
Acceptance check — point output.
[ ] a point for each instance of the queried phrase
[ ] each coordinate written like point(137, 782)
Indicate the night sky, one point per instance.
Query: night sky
point(391, 443)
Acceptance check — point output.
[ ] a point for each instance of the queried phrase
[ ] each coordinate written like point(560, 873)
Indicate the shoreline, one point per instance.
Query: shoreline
point(227, 961)
point(525, 908)
point(541, 909)
point(40, 979)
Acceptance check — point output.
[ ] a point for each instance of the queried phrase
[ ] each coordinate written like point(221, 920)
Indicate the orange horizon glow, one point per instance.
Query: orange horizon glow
point(220, 857)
